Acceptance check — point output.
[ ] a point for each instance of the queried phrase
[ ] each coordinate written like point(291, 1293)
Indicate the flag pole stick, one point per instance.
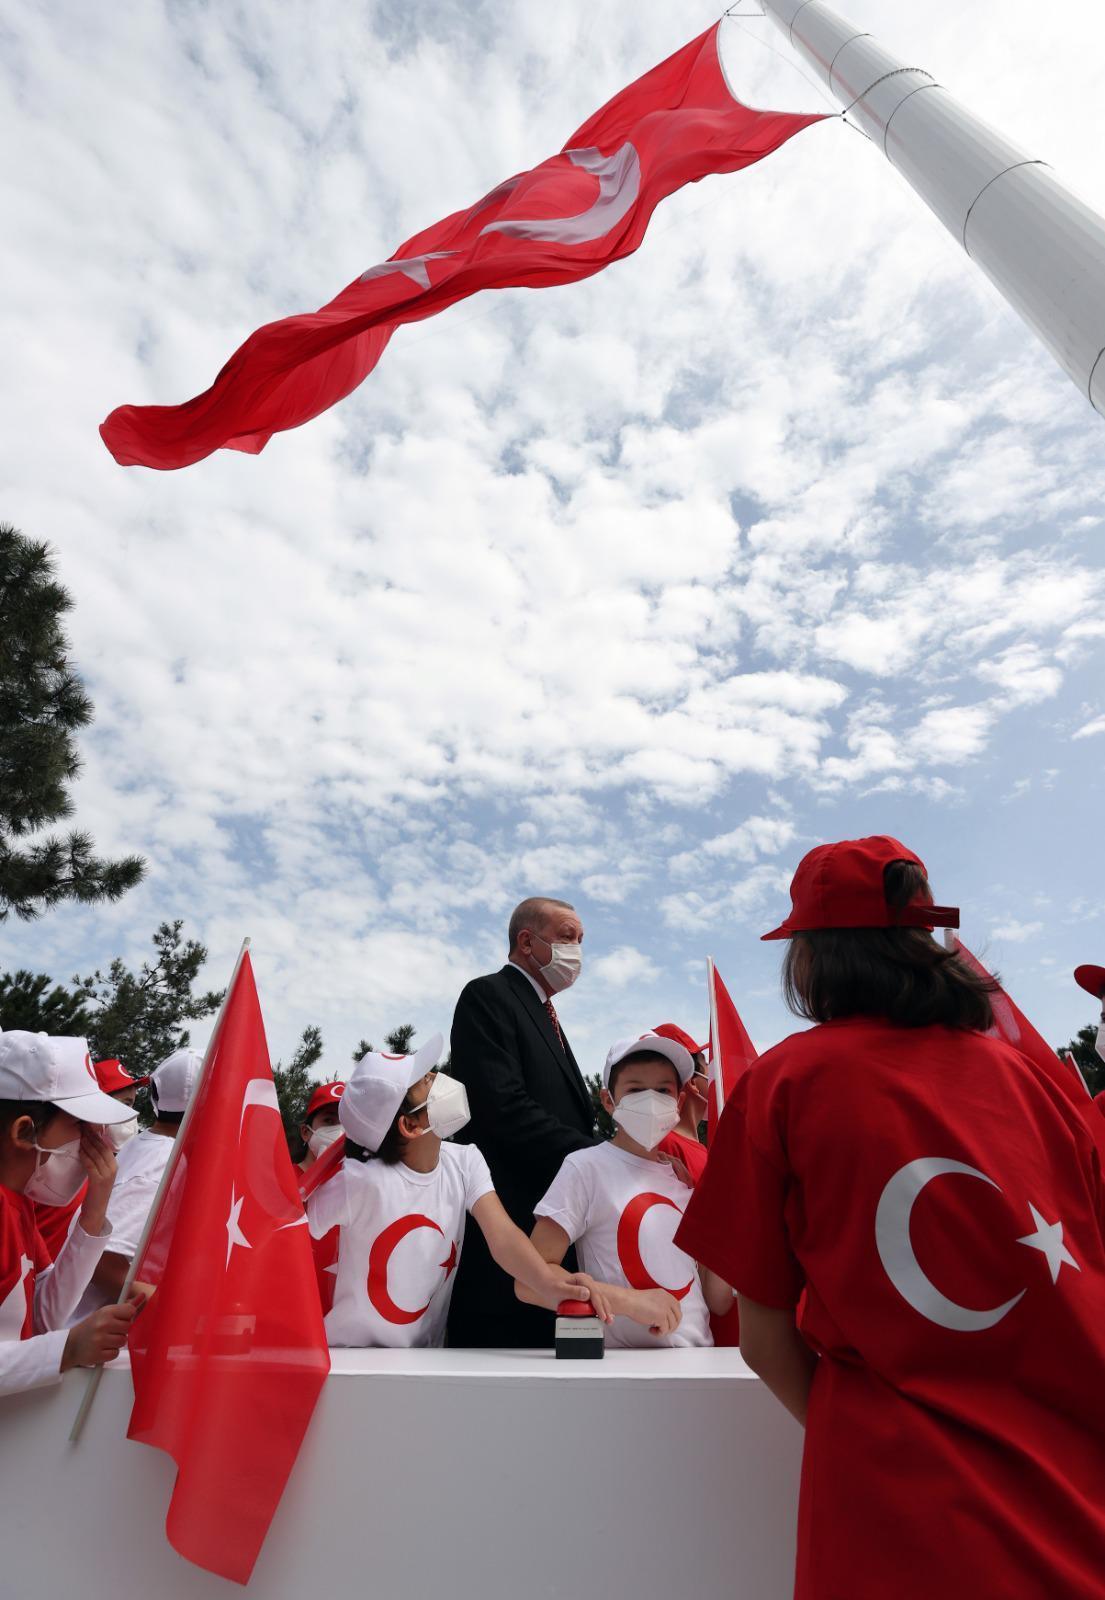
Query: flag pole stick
point(97, 1373)
point(1041, 246)
point(715, 1048)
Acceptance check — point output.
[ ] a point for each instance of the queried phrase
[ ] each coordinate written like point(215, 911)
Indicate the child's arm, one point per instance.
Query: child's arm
point(716, 1292)
point(654, 1309)
point(59, 1288)
point(543, 1278)
point(774, 1349)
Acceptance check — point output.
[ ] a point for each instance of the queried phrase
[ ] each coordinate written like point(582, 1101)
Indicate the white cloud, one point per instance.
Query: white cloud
point(1016, 932)
point(623, 966)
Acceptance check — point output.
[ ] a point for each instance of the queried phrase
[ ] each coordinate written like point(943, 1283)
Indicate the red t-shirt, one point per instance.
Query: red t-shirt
point(689, 1151)
point(22, 1257)
point(941, 1203)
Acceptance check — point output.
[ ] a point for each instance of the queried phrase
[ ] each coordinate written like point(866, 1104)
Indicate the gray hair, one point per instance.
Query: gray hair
point(532, 912)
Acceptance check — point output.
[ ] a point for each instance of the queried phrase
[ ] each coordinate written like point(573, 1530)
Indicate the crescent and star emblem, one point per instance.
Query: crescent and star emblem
point(900, 1263)
point(379, 1257)
point(259, 1093)
point(629, 1243)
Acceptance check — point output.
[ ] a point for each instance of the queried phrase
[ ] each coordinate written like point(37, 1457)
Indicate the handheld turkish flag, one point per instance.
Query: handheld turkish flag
point(1011, 1024)
point(731, 1050)
point(324, 1250)
point(230, 1355)
point(557, 223)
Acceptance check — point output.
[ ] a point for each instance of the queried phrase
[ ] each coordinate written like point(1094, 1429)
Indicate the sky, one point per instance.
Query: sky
point(785, 529)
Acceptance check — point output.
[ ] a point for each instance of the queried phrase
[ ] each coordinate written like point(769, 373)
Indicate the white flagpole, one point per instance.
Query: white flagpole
point(715, 1044)
point(170, 1167)
point(1041, 246)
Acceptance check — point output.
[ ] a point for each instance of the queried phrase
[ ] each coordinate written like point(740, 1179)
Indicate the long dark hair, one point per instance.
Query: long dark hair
point(901, 974)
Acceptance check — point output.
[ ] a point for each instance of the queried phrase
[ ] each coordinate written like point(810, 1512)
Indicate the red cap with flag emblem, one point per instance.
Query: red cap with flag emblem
point(326, 1094)
point(841, 886)
point(111, 1077)
point(672, 1030)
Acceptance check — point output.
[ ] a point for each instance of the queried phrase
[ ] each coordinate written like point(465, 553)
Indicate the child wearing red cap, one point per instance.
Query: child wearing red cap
point(933, 1207)
point(399, 1203)
point(320, 1127)
point(51, 1119)
point(683, 1142)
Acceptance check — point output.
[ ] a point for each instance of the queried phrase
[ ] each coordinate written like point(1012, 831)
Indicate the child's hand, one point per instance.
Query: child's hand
point(581, 1286)
point(98, 1160)
point(100, 1337)
point(656, 1310)
point(678, 1168)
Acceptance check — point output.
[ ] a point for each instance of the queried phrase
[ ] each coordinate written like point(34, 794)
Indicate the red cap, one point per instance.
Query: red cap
point(671, 1030)
point(841, 886)
point(1092, 979)
point(111, 1077)
point(324, 1095)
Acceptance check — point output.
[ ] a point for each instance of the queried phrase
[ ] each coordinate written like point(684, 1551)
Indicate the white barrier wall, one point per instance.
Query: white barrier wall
point(480, 1475)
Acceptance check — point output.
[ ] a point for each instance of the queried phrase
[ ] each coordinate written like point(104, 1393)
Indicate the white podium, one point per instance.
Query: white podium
point(481, 1475)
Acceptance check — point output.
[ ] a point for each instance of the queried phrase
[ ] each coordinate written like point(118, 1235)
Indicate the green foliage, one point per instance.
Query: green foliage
point(33, 1001)
point(603, 1123)
point(398, 1041)
point(1083, 1049)
point(363, 1049)
point(294, 1085)
point(139, 1017)
point(43, 704)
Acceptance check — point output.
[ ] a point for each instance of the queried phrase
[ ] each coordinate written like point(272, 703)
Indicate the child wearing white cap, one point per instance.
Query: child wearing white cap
point(142, 1160)
point(400, 1201)
point(620, 1202)
point(51, 1111)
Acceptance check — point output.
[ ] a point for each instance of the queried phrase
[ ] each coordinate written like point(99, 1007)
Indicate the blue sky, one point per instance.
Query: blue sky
point(785, 529)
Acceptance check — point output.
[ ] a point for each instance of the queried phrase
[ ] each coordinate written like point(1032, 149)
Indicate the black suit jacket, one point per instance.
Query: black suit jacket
point(530, 1108)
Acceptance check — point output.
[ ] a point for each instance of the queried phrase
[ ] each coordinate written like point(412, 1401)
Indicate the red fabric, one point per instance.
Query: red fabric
point(22, 1256)
point(841, 886)
point(942, 1457)
point(672, 1030)
point(1092, 979)
point(111, 1076)
point(731, 1053)
point(325, 1095)
point(689, 1151)
point(324, 1250)
point(679, 123)
point(230, 1354)
point(555, 1020)
point(54, 1221)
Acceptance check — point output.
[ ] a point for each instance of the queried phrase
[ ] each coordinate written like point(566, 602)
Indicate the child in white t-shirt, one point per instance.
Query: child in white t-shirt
point(620, 1203)
point(51, 1115)
point(400, 1200)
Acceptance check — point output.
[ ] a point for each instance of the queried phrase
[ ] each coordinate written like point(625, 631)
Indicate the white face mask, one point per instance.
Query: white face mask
point(563, 966)
point(1099, 1046)
point(57, 1179)
point(320, 1139)
point(117, 1133)
point(646, 1115)
point(446, 1106)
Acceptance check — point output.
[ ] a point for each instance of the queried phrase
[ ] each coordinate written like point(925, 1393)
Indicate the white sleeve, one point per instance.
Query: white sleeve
point(127, 1211)
point(566, 1201)
point(477, 1176)
point(59, 1288)
point(328, 1207)
point(31, 1363)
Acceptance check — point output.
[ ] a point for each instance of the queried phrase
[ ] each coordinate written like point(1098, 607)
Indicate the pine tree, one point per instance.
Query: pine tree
point(398, 1041)
point(139, 1017)
point(43, 704)
point(28, 1001)
point(294, 1085)
point(1084, 1050)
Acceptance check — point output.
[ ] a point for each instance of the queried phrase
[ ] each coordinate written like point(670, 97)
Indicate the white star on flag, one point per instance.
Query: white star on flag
point(1048, 1238)
point(413, 267)
point(234, 1234)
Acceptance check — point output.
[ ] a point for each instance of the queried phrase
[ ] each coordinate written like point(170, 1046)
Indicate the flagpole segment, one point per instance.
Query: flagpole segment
point(1041, 246)
point(715, 1049)
point(170, 1167)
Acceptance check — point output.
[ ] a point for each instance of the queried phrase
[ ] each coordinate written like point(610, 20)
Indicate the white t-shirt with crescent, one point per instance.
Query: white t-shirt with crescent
point(400, 1241)
point(621, 1212)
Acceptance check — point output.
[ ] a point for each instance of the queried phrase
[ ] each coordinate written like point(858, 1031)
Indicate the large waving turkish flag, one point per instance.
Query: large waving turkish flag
point(230, 1354)
point(559, 222)
point(732, 1052)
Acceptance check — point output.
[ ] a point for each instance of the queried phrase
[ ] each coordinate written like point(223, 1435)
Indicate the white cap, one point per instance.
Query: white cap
point(377, 1087)
point(653, 1044)
point(39, 1066)
point(171, 1083)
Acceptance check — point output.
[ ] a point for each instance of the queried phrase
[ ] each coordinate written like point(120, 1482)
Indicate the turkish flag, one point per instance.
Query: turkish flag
point(731, 1050)
point(325, 1249)
point(1011, 1024)
point(230, 1354)
point(557, 223)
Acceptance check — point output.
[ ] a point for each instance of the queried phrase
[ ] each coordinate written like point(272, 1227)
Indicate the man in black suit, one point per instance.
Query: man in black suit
point(530, 1108)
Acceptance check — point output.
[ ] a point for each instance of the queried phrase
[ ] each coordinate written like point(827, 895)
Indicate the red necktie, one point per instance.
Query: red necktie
point(551, 1009)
